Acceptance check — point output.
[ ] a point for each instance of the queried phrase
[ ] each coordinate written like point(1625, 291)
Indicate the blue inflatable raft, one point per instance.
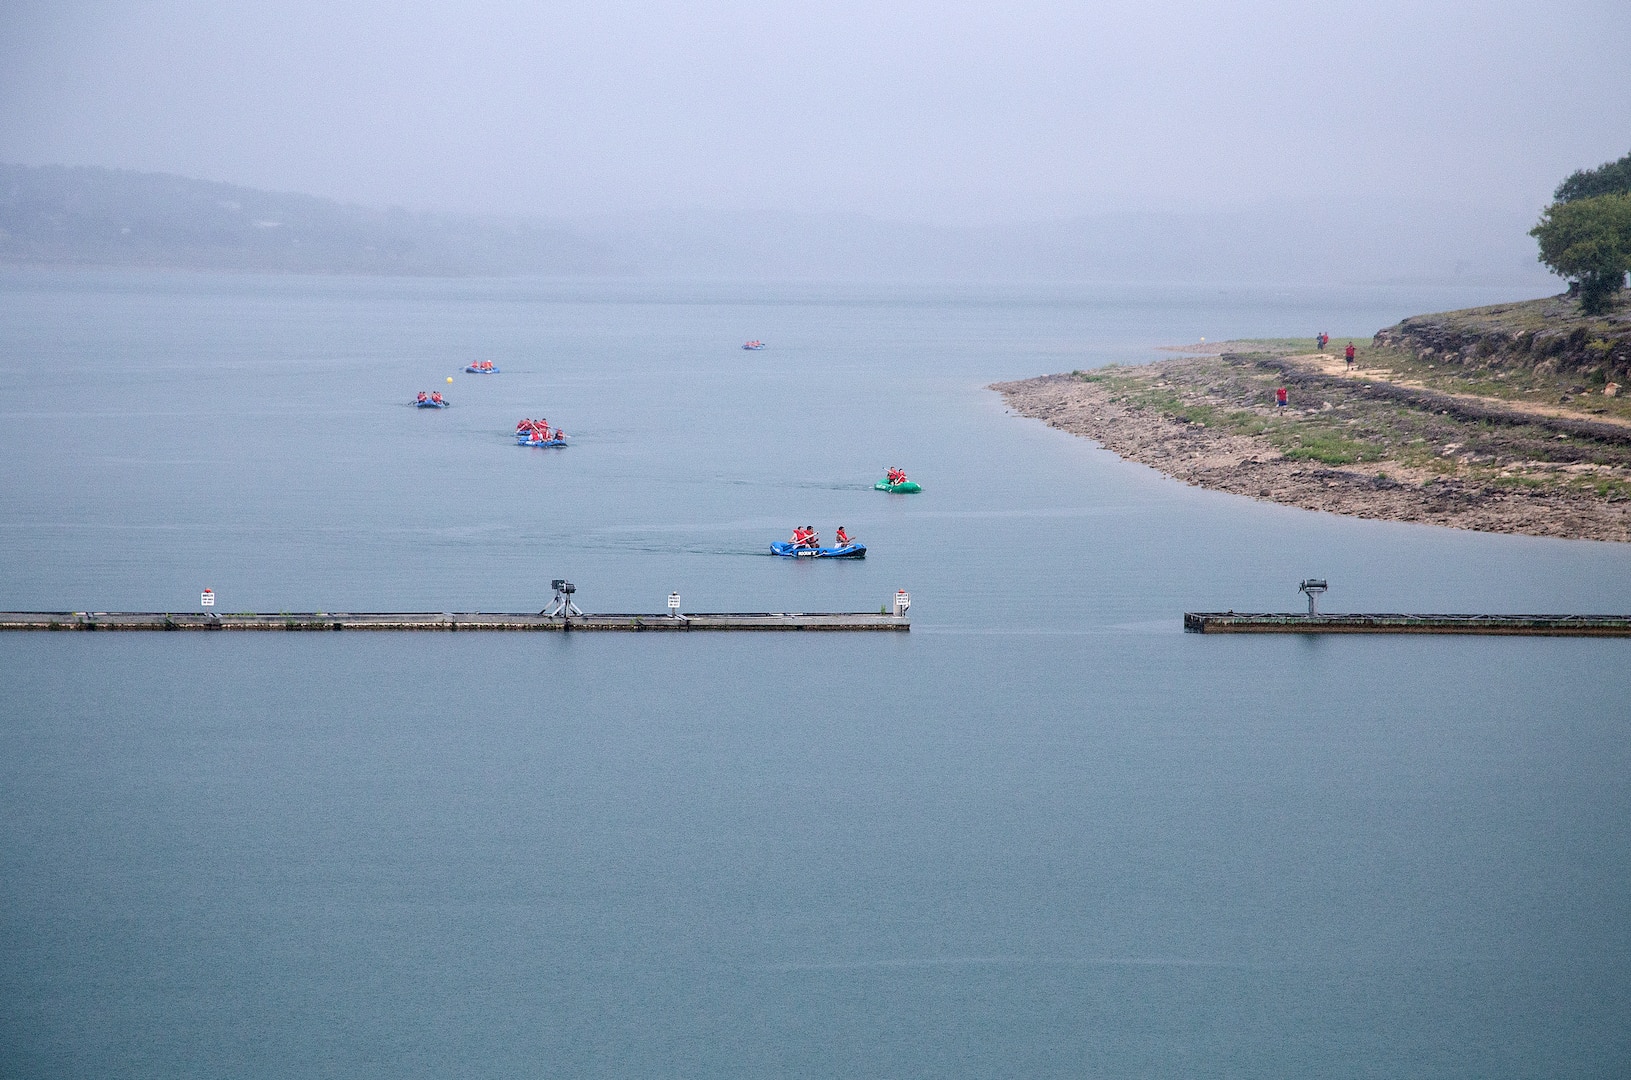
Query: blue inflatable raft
point(429, 404)
point(521, 440)
point(474, 370)
point(786, 549)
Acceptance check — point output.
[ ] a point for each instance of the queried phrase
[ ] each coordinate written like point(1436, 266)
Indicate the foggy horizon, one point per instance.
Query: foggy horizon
point(91, 216)
point(952, 116)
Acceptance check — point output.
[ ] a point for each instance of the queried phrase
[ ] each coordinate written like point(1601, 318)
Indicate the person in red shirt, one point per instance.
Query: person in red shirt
point(1349, 354)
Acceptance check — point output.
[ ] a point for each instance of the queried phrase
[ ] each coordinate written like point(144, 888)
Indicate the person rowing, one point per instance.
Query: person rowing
point(842, 538)
point(436, 397)
point(423, 396)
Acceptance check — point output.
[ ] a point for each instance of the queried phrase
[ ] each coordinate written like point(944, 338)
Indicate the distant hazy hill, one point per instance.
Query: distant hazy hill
point(58, 216)
point(83, 216)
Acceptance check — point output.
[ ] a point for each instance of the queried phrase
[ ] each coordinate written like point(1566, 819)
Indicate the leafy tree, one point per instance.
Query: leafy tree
point(1588, 241)
point(1614, 178)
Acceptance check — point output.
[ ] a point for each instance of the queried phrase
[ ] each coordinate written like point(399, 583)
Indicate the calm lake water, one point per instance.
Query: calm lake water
point(1045, 834)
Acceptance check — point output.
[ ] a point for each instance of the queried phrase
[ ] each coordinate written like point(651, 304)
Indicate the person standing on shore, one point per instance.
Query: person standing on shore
point(1348, 354)
point(1280, 397)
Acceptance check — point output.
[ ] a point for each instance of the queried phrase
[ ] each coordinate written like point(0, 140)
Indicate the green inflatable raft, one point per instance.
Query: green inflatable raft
point(906, 488)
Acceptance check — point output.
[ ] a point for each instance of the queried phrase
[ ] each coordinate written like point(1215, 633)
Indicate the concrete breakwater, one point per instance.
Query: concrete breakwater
point(1230, 622)
point(446, 621)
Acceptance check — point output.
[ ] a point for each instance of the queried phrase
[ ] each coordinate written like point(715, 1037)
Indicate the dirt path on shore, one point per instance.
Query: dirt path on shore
point(1337, 367)
point(1549, 500)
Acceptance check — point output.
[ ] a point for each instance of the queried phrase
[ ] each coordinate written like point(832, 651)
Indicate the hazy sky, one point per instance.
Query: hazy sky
point(938, 111)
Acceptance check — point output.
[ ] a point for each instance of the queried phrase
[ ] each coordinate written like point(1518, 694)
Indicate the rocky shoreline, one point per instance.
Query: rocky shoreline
point(1548, 335)
point(1206, 422)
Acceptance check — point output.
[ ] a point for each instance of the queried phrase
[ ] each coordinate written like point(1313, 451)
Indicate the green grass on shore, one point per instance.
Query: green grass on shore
point(1335, 422)
point(1490, 378)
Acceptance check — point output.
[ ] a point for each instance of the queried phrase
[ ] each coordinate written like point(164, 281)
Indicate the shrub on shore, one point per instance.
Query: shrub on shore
point(1588, 241)
point(1585, 235)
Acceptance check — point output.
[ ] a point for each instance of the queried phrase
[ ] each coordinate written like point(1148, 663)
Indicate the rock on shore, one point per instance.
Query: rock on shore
point(1549, 334)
